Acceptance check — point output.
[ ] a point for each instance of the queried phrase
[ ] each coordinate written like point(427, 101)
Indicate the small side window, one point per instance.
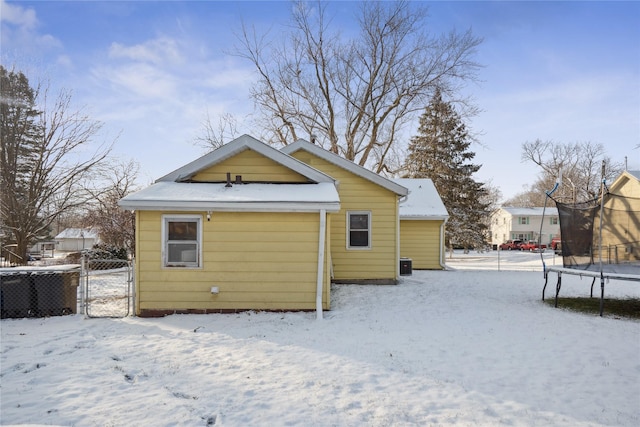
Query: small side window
point(182, 241)
point(358, 230)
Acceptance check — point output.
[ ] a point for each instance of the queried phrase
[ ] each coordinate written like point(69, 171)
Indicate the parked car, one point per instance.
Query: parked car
point(511, 245)
point(556, 245)
point(532, 246)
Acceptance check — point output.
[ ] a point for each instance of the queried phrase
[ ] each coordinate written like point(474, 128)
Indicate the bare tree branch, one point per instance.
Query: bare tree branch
point(216, 136)
point(579, 163)
point(355, 94)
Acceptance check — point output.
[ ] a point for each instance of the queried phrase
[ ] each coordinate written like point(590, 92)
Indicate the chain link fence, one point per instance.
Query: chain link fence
point(108, 287)
point(96, 288)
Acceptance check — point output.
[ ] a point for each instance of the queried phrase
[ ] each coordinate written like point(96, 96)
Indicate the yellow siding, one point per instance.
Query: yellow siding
point(620, 231)
point(420, 241)
point(358, 194)
point(264, 261)
point(628, 187)
point(252, 166)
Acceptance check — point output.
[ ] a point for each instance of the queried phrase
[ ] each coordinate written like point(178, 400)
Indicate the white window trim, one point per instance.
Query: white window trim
point(180, 217)
point(348, 235)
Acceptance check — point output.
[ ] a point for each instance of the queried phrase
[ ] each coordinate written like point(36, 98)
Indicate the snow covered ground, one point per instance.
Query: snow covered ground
point(469, 346)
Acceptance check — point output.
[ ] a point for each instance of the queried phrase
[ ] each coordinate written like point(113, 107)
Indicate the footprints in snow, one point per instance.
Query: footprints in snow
point(22, 368)
point(131, 378)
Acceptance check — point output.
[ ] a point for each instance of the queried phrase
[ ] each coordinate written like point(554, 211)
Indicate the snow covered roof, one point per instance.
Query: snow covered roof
point(536, 211)
point(423, 200)
point(238, 145)
point(165, 195)
point(78, 233)
point(348, 165)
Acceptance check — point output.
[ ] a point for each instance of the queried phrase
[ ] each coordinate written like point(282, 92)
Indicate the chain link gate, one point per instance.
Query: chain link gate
point(107, 287)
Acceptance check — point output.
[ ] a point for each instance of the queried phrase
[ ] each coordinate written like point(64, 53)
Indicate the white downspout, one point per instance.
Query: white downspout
point(442, 248)
point(319, 283)
point(398, 254)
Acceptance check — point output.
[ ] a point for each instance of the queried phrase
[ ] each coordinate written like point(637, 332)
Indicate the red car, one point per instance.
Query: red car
point(532, 246)
point(511, 245)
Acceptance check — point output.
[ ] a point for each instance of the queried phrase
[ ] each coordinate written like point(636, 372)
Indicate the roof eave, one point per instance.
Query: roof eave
point(424, 217)
point(199, 206)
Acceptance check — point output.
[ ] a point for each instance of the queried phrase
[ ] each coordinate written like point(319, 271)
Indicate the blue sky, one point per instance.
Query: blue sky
point(561, 71)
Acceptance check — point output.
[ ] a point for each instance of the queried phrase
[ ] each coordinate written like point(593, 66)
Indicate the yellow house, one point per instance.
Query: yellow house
point(365, 244)
point(621, 220)
point(422, 223)
point(243, 227)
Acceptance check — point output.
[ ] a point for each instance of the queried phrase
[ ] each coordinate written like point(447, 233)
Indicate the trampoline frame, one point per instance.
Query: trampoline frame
point(601, 273)
point(594, 274)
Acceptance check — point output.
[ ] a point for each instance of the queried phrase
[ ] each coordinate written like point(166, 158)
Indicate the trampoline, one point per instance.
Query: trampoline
point(600, 238)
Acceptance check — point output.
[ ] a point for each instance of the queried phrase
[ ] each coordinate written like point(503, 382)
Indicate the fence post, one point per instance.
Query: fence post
point(132, 284)
point(82, 288)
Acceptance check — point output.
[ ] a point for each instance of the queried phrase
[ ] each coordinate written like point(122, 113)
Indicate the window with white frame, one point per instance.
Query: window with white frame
point(523, 220)
point(182, 241)
point(359, 230)
point(553, 220)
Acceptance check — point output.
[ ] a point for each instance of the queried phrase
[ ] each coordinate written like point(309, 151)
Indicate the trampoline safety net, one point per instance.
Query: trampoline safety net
point(617, 245)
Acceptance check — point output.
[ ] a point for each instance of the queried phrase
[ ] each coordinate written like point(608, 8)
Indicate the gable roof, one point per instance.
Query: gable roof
point(238, 145)
point(174, 191)
point(624, 177)
point(536, 211)
point(348, 165)
point(423, 201)
point(78, 233)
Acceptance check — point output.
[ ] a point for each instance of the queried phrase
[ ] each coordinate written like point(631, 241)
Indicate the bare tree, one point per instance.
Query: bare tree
point(45, 159)
point(215, 136)
point(355, 95)
point(527, 199)
point(580, 164)
point(116, 225)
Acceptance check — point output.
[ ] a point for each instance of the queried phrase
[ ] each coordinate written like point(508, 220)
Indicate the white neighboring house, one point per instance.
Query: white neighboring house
point(77, 239)
point(508, 223)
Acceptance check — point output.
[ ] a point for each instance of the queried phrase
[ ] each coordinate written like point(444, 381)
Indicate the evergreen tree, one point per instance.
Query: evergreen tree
point(18, 146)
point(441, 153)
point(39, 180)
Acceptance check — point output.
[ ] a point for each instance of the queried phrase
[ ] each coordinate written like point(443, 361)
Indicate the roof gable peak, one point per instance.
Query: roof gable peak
point(236, 146)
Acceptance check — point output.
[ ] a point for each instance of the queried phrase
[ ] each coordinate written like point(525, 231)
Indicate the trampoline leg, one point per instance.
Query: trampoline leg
point(592, 283)
point(544, 288)
point(601, 294)
point(558, 286)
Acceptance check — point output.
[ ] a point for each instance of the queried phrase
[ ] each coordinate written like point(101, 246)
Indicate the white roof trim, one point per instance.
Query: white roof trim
point(348, 165)
point(629, 174)
point(242, 143)
point(424, 217)
point(236, 207)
